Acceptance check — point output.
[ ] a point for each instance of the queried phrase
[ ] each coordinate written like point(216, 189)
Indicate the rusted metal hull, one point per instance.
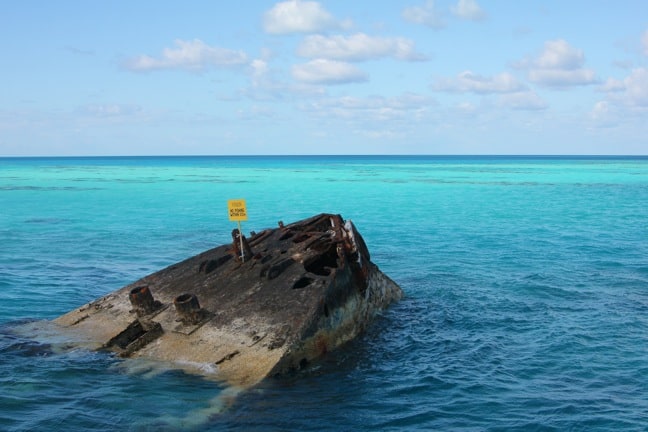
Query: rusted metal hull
point(288, 296)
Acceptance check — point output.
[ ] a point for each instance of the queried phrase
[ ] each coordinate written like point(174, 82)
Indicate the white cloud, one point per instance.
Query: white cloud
point(603, 115)
point(406, 102)
point(111, 110)
point(562, 77)
point(268, 83)
point(636, 87)
point(192, 55)
point(632, 91)
point(357, 47)
point(295, 16)
point(427, 15)
point(525, 100)
point(255, 112)
point(558, 54)
point(467, 108)
point(381, 135)
point(259, 70)
point(468, 81)
point(375, 108)
point(263, 83)
point(612, 85)
point(600, 110)
point(322, 71)
point(412, 101)
point(558, 65)
point(468, 10)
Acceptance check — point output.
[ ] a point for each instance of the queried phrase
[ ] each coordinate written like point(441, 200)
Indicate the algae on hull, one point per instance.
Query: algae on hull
point(290, 295)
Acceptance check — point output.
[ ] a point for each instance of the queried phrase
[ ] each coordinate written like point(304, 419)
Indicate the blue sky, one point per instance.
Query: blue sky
point(327, 77)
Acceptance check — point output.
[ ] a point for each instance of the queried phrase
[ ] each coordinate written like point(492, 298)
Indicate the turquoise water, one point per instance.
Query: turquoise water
point(526, 285)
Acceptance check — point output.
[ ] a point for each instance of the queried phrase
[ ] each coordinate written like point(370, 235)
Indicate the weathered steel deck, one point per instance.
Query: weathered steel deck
point(293, 293)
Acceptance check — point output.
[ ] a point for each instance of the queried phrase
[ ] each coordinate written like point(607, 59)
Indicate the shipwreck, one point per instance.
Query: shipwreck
point(257, 307)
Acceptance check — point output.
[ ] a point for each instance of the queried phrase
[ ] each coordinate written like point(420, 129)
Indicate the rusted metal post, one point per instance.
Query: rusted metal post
point(188, 308)
point(242, 248)
point(241, 239)
point(142, 300)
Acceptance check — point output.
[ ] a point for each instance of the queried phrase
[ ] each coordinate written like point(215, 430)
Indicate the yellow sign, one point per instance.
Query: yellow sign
point(237, 210)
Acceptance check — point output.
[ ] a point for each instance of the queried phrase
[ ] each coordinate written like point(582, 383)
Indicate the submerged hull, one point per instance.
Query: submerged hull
point(251, 309)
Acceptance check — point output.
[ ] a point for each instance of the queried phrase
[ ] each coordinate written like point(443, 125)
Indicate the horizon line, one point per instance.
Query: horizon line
point(516, 155)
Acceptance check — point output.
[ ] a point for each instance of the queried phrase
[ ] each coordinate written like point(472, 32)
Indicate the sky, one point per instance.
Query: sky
point(323, 77)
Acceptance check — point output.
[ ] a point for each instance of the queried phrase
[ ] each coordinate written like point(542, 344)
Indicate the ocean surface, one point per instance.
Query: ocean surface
point(526, 282)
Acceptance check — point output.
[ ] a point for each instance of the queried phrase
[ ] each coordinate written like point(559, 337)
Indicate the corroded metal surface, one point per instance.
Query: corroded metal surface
point(293, 293)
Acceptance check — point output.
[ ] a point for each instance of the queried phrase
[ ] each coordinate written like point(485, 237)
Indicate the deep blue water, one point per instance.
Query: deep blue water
point(526, 282)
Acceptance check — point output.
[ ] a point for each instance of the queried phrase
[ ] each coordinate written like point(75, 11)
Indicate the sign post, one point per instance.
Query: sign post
point(237, 213)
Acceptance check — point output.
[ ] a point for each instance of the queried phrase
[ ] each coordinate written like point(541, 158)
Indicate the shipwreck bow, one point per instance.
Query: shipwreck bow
point(254, 308)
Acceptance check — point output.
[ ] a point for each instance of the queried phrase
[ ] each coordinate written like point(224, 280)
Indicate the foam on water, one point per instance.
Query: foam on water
point(526, 285)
